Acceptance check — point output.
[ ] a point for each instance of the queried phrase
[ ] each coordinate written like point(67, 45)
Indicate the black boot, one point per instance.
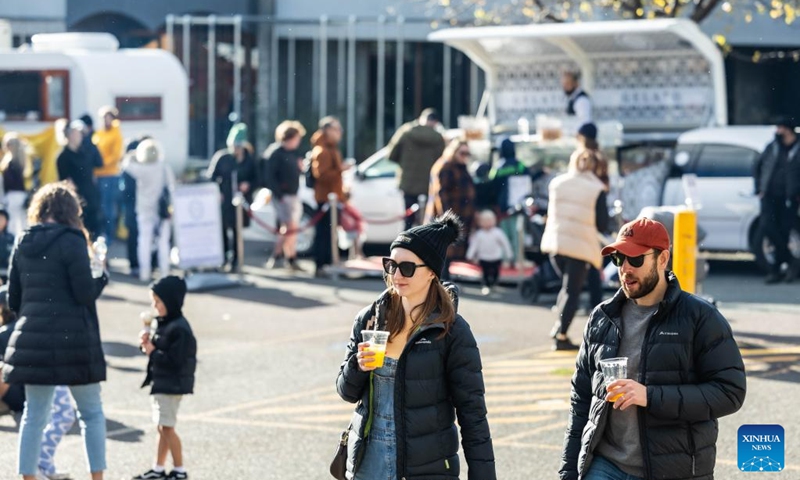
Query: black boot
point(773, 278)
point(793, 272)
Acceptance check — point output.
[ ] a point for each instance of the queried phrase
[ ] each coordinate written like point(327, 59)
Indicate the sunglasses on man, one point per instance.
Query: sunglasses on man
point(618, 259)
point(407, 269)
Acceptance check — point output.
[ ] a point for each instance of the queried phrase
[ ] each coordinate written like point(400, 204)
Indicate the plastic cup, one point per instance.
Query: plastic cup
point(377, 340)
point(614, 369)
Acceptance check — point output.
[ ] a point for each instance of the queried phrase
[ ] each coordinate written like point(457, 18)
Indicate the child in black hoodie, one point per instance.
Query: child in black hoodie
point(172, 350)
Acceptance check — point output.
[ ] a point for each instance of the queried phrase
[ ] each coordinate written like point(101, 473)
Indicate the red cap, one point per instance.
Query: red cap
point(637, 237)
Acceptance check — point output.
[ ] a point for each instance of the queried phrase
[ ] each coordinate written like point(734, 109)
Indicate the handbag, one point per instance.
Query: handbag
point(339, 463)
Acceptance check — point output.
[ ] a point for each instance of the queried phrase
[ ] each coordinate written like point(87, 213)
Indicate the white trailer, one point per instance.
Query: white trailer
point(70, 74)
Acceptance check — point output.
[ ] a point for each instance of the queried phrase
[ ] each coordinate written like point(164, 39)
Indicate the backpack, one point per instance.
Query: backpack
point(309, 173)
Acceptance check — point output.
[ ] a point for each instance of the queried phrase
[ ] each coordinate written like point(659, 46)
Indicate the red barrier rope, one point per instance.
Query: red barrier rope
point(312, 222)
point(413, 209)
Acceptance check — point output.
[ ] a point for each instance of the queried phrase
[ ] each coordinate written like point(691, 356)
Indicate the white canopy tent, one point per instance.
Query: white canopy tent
point(650, 75)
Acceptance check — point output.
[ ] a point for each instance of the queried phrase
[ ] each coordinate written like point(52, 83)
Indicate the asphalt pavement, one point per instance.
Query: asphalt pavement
point(265, 405)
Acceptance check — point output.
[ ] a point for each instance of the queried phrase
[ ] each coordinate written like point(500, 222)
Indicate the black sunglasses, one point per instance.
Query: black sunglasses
point(407, 269)
point(618, 259)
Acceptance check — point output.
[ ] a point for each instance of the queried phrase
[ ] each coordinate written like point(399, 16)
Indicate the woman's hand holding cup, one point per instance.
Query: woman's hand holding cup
point(365, 357)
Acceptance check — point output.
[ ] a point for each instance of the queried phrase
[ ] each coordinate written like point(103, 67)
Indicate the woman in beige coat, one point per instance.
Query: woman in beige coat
point(576, 212)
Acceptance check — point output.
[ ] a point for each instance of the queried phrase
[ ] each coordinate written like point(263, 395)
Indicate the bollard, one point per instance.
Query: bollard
point(238, 202)
point(521, 245)
point(333, 203)
point(684, 249)
point(422, 201)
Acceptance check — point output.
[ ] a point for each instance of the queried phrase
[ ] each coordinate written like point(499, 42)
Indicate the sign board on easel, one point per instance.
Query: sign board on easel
point(198, 234)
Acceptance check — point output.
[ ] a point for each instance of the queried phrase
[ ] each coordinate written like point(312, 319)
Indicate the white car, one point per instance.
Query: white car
point(722, 159)
point(374, 193)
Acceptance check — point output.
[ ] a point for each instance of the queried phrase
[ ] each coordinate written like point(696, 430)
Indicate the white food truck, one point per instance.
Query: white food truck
point(67, 75)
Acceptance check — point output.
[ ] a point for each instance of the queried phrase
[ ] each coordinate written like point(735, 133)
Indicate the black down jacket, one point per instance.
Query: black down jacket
point(172, 364)
point(56, 340)
point(765, 166)
point(437, 380)
point(693, 372)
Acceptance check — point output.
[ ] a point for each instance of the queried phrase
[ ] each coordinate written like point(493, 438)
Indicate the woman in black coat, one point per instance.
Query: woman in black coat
point(57, 339)
point(74, 165)
point(431, 375)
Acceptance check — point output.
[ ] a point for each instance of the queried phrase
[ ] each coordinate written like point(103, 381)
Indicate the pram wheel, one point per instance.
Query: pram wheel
point(529, 289)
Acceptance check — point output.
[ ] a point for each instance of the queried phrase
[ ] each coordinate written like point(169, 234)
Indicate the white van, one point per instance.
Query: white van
point(722, 160)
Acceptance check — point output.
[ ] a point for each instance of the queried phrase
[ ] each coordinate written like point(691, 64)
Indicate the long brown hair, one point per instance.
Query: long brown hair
point(450, 152)
point(57, 202)
point(437, 301)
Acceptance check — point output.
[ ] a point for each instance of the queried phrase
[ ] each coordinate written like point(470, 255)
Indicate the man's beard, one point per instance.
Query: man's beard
point(643, 286)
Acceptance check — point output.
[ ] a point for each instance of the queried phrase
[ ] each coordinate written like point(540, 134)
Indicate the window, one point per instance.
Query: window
point(383, 168)
point(139, 108)
point(725, 161)
point(34, 95)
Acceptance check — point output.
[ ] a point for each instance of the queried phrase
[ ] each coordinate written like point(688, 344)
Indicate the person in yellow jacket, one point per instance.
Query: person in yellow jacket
point(110, 143)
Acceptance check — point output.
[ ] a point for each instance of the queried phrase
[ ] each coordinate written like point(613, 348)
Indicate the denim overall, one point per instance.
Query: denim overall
point(380, 456)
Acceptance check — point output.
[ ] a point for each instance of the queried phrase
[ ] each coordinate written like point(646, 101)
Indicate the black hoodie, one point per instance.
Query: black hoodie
point(172, 364)
point(57, 338)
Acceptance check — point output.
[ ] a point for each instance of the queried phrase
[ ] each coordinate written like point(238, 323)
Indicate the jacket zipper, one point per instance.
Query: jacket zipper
point(399, 399)
point(641, 413)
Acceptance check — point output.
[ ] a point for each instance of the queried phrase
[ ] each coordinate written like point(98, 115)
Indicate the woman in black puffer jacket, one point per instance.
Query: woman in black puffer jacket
point(57, 338)
point(431, 375)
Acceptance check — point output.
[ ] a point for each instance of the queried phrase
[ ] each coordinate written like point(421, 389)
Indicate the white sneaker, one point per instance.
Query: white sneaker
point(60, 476)
point(486, 291)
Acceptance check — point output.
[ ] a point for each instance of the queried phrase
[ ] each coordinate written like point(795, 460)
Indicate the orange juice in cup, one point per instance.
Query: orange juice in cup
point(377, 340)
point(614, 369)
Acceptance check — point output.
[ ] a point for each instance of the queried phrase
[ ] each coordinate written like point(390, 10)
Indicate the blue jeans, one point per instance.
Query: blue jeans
point(38, 408)
point(109, 200)
point(380, 457)
point(603, 469)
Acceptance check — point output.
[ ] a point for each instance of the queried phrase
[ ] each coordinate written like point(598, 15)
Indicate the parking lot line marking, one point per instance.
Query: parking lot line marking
point(523, 397)
point(260, 423)
point(514, 379)
point(760, 352)
point(542, 446)
point(517, 420)
point(263, 402)
point(276, 341)
point(525, 387)
point(526, 433)
point(537, 407)
point(314, 407)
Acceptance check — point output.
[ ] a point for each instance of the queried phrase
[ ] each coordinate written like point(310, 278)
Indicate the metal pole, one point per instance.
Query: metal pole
point(238, 200)
point(398, 78)
point(446, 93)
point(473, 87)
point(341, 81)
point(380, 119)
point(273, 79)
point(521, 244)
point(212, 85)
point(170, 35)
point(187, 30)
point(238, 59)
point(422, 203)
point(323, 66)
point(333, 203)
point(351, 89)
point(291, 67)
point(315, 64)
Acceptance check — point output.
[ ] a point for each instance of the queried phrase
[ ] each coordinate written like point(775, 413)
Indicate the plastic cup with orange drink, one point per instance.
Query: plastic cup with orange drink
point(377, 340)
point(614, 369)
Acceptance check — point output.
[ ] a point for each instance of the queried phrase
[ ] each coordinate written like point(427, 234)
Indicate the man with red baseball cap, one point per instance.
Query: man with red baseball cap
point(684, 371)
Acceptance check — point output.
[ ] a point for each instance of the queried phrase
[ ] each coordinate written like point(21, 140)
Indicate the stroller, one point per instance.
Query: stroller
point(545, 277)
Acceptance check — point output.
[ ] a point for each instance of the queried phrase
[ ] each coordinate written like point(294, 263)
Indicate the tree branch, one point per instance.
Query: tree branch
point(548, 15)
point(703, 9)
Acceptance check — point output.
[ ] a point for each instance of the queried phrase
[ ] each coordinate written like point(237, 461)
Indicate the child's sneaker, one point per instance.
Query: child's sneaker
point(173, 475)
point(152, 475)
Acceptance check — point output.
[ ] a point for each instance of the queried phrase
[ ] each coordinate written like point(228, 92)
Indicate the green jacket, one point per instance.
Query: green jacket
point(415, 148)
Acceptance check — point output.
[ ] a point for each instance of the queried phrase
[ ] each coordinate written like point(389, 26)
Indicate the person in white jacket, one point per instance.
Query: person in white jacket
point(152, 176)
point(488, 247)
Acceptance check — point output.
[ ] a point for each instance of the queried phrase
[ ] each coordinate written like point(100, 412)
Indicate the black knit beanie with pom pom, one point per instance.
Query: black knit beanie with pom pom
point(430, 241)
